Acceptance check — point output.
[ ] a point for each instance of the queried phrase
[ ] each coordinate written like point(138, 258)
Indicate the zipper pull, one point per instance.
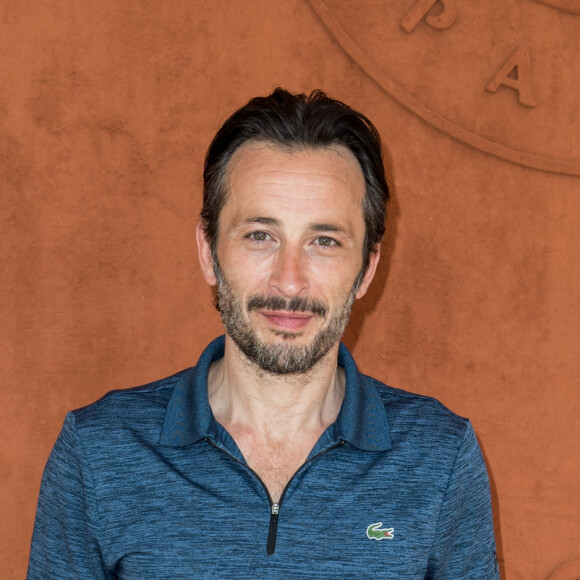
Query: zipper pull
point(273, 529)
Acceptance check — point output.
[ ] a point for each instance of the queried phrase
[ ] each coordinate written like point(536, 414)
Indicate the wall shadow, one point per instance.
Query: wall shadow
point(496, 514)
point(365, 307)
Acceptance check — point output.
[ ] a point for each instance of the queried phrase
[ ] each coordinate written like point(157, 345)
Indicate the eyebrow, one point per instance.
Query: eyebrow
point(315, 227)
point(267, 221)
point(327, 228)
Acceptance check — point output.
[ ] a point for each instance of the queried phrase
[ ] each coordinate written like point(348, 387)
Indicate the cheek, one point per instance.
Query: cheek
point(335, 273)
point(246, 275)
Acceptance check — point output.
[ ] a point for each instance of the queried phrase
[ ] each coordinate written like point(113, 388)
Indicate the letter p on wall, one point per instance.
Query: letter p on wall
point(441, 21)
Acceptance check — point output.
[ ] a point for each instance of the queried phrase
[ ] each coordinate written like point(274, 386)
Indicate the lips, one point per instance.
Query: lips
point(288, 321)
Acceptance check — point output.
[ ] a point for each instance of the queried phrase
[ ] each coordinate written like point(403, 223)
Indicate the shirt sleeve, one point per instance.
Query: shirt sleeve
point(464, 542)
point(65, 541)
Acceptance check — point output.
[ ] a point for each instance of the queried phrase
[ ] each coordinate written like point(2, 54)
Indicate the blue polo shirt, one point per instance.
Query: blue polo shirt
point(146, 484)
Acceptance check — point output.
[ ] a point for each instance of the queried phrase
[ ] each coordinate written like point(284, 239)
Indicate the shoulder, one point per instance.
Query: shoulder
point(420, 420)
point(139, 408)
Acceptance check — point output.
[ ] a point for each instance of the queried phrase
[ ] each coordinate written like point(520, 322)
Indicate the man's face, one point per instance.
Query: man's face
point(289, 253)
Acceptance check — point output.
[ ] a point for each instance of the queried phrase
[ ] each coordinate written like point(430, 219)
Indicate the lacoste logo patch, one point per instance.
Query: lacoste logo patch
point(374, 532)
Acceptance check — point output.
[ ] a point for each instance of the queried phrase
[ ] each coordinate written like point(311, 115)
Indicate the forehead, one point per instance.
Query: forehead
point(300, 175)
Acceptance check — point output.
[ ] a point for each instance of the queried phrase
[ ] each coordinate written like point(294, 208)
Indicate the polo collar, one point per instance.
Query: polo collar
point(189, 417)
point(362, 420)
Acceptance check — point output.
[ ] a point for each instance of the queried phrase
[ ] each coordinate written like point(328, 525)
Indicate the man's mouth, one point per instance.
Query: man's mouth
point(288, 321)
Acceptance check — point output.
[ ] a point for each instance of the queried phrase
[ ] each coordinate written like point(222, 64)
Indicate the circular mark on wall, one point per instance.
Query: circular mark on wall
point(570, 6)
point(503, 77)
point(567, 571)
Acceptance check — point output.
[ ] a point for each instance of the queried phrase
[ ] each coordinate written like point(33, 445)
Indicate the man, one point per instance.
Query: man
point(273, 457)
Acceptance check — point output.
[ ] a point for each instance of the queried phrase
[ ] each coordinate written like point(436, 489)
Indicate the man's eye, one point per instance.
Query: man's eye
point(326, 241)
point(258, 236)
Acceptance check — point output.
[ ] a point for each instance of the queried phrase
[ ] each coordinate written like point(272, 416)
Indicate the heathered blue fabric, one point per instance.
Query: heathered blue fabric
point(145, 484)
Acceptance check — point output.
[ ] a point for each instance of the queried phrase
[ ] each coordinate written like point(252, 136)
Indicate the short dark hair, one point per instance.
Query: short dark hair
point(298, 121)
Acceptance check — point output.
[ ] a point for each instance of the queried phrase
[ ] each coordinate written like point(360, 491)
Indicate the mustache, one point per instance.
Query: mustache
point(296, 304)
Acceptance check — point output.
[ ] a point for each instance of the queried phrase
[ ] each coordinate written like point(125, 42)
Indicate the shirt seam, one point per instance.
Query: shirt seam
point(463, 438)
point(89, 472)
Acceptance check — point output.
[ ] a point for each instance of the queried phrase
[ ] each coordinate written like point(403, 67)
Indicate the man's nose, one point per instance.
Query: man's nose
point(289, 276)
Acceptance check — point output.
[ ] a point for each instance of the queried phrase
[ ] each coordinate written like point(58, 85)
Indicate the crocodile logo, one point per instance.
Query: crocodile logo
point(374, 532)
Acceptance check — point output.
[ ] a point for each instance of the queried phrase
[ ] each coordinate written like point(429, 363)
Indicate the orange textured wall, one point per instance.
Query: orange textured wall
point(106, 109)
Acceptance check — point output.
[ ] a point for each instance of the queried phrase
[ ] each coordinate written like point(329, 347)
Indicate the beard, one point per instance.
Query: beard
point(282, 357)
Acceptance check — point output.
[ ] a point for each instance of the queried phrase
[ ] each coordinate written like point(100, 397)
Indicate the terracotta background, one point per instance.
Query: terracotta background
point(106, 109)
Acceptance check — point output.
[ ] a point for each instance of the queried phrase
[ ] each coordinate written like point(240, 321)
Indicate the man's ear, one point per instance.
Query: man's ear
point(204, 255)
point(370, 273)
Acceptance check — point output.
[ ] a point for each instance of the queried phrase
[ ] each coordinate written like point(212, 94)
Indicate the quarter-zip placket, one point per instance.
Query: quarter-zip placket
point(274, 506)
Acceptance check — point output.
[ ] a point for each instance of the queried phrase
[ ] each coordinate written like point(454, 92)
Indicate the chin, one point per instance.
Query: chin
point(287, 336)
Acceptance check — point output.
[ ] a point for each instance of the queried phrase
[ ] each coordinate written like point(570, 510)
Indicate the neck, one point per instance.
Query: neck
point(270, 406)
